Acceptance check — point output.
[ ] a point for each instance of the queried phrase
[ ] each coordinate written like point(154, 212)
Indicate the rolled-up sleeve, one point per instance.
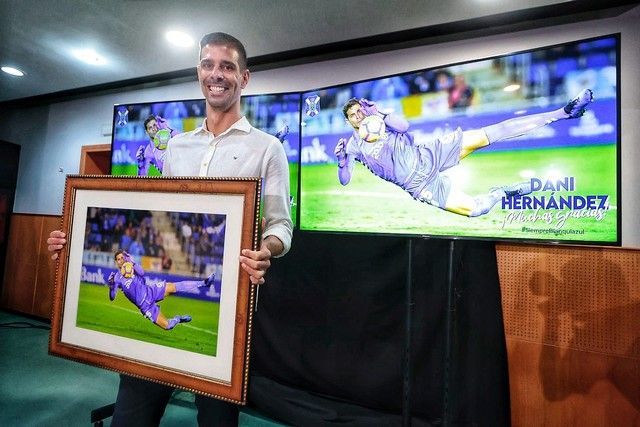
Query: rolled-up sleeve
point(276, 192)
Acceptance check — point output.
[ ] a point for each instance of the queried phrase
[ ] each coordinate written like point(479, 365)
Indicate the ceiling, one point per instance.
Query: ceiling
point(38, 36)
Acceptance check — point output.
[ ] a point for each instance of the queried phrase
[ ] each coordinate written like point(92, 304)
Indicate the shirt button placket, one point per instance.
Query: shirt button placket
point(204, 168)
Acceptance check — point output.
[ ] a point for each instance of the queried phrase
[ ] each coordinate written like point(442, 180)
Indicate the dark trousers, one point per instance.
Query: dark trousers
point(142, 403)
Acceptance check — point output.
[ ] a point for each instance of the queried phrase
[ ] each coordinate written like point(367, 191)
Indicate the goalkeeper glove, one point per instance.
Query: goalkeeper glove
point(368, 107)
point(127, 257)
point(140, 154)
point(341, 152)
point(163, 124)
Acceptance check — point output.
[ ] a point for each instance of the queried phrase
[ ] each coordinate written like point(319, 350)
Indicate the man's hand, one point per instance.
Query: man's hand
point(162, 123)
point(368, 107)
point(127, 257)
point(56, 241)
point(140, 153)
point(282, 133)
point(341, 151)
point(256, 263)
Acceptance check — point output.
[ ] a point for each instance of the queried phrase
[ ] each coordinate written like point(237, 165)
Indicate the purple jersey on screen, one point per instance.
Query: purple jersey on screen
point(151, 156)
point(414, 168)
point(136, 289)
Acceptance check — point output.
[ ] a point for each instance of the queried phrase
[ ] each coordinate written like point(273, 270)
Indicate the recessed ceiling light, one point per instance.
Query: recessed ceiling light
point(89, 56)
point(179, 38)
point(12, 71)
point(512, 88)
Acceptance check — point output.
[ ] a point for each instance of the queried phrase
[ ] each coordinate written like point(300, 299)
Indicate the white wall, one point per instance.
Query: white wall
point(51, 137)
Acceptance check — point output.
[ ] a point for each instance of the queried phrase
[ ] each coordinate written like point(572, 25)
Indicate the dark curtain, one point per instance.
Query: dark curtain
point(330, 336)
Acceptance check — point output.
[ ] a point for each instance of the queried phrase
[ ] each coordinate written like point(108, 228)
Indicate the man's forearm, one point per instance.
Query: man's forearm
point(274, 245)
point(344, 172)
point(396, 123)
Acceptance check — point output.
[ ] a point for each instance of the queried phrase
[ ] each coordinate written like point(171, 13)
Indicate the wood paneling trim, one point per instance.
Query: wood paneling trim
point(572, 324)
point(555, 386)
point(95, 159)
point(29, 272)
point(45, 280)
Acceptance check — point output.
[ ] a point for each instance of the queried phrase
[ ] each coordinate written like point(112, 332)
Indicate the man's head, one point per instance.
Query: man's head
point(222, 71)
point(119, 257)
point(224, 39)
point(352, 111)
point(151, 126)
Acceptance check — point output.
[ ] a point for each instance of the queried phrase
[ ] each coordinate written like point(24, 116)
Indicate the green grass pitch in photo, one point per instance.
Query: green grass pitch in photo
point(120, 317)
point(369, 204)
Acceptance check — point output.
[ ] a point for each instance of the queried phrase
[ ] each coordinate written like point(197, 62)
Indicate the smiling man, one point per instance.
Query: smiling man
point(225, 145)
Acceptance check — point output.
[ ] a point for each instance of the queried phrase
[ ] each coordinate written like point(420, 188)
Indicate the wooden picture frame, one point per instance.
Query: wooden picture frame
point(207, 354)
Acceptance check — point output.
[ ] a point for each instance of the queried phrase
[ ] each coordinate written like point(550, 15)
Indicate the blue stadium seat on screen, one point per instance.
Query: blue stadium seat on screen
point(565, 65)
point(603, 43)
point(598, 60)
point(538, 74)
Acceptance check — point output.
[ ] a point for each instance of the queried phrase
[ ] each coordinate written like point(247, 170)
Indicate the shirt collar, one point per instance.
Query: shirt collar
point(242, 125)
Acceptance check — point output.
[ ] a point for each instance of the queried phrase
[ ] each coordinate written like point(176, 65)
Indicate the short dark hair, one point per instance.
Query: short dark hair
point(350, 103)
point(118, 252)
point(147, 120)
point(226, 40)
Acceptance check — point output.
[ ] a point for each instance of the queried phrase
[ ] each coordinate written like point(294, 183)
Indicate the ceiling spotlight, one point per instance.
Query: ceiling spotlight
point(512, 88)
point(89, 56)
point(179, 38)
point(12, 71)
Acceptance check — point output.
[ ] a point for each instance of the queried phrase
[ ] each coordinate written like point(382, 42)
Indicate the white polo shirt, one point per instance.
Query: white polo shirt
point(240, 151)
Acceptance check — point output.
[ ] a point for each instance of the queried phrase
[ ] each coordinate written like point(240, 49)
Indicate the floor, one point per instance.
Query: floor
point(38, 389)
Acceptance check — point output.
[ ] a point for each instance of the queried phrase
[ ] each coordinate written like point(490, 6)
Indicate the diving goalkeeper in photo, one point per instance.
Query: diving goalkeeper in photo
point(159, 133)
point(146, 296)
point(383, 143)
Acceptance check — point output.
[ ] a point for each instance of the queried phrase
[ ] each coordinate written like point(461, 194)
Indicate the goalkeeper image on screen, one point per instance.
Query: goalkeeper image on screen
point(382, 143)
point(131, 280)
point(154, 152)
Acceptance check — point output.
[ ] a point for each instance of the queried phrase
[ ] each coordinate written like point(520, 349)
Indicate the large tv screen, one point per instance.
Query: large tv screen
point(523, 146)
point(141, 131)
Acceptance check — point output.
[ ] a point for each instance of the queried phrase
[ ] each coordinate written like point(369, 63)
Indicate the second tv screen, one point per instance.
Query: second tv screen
point(555, 178)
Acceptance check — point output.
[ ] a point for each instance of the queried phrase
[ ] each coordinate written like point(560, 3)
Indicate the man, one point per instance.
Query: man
point(131, 280)
point(154, 152)
point(417, 168)
point(225, 145)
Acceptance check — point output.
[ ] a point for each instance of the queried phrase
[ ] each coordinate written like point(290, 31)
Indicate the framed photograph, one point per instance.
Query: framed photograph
point(149, 282)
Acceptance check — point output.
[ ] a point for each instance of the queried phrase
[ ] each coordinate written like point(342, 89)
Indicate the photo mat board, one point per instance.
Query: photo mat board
point(572, 166)
point(221, 318)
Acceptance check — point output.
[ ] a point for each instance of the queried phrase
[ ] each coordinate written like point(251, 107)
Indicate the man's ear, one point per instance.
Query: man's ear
point(245, 78)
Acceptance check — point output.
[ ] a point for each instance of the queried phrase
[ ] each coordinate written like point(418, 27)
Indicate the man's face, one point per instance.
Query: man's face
point(152, 128)
point(119, 260)
point(355, 115)
point(221, 79)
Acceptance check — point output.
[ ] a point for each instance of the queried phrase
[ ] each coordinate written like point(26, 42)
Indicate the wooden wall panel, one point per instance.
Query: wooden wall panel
point(29, 273)
point(95, 159)
point(572, 322)
point(43, 295)
point(553, 386)
point(21, 266)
